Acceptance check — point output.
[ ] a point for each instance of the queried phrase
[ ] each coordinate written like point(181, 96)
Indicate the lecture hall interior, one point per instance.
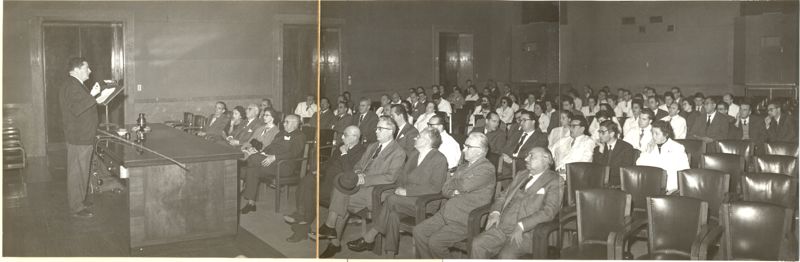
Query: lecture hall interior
point(603, 130)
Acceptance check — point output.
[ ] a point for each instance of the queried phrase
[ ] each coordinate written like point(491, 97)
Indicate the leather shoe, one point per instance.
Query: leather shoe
point(326, 232)
point(84, 213)
point(248, 208)
point(360, 245)
point(330, 251)
point(290, 219)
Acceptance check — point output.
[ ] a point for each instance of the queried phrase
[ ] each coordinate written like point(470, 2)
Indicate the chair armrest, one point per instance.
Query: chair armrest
point(281, 162)
point(631, 228)
point(567, 215)
point(377, 191)
point(474, 219)
point(695, 253)
point(701, 252)
point(614, 246)
point(422, 205)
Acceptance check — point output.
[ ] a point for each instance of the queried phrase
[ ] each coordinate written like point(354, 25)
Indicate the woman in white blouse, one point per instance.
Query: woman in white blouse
point(562, 130)
point(542, 118)
point(677, 122)
point(505, 111)
point(591, 108)
point(514, 104)
point(472, 94)
point(430, 111)
point(665, 153)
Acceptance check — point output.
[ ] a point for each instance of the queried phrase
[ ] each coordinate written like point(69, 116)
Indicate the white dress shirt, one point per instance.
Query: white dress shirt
point(623, 107)
point(304, 110)
point(556, 134)
point(630, 123)
point(672, 158)
point(444, 106)
point(566, 151)
point(636, 139)
point(450, 149)
point(678, 124)
point(544, 122)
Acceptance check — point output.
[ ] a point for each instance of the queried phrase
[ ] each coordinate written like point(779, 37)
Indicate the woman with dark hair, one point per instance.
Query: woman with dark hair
point(481, 110)
point(409, 108)
point(562, 131)
point(236, 124)
point(505, 111)
point(663, 152)
point(263, 135)
point(542, 118)
point(456, 98)
point(472, 94)
point(514, 102)
point(430, 111)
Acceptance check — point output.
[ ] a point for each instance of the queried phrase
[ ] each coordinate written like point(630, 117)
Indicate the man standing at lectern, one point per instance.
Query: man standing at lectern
point(79, 115)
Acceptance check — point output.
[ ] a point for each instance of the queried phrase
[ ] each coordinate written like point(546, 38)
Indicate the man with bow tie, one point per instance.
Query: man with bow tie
point(534, 197)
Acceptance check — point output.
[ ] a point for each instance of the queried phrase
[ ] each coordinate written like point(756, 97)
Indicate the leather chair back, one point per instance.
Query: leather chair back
point(642, 182)
point(188, 118)
point(753, 231)
point(780, 148)
point(199, 121)
point(771, 188)
point(674, 224)
point(728, 163)
point(708, 185)
point(694, 148)
point(786, 165)
point(600, 211)
point(737, 147)
point(582, 176)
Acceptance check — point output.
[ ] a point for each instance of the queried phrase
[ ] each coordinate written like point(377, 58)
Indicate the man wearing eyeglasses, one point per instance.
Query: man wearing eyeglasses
point(612, 151)
point(470, 187)
point(380, 164)
point(577, 147)
point(286, 144)
point(780, 127)
point(497, 137)
point(533, 198)
point(450, 148)
point(521, 142)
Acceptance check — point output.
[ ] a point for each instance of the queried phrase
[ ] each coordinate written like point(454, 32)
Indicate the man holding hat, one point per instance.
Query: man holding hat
point(381, 163)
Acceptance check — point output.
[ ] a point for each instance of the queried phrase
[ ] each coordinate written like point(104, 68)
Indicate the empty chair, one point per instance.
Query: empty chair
point(750, 231)
point(772, 188)
point(601, 215)
point(694, 148)
point(728, 163)
point(711, 186)
point(676, 226)
point(736, 147)
point(780, 148)
point(641, 182)
point(786, 165)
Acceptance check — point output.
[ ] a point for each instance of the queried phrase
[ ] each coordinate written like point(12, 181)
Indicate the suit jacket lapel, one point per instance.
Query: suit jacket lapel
point(539, 183)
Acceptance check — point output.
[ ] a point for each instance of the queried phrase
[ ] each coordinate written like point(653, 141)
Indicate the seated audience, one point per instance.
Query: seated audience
point(623, 107)
point(521, 142)
point(406, 132)
point(442, 105)
point(472, 94)
point(424, 173)
point(450, 148)
point(710, 126)
point(306, 109)
point(633, 119)
point(470, 187)
point(748, 126)
point(497, 137)
point(577, 147)
point(266, 103)
point(343, 118)
point(366, 120)
point(237, 123)
point(386, 104)
point(480, 111)
point(601, 116)
point(654, 104)
point(505, 111)
point(263, 135)
point(591, 108)
point(563, 127)
point(641, 136)
point(733, 109)
point(422, 120)
point(664, 153)
point(541, 117)
point(326, 117)
point(288, 145)
point(380, 164)
point(534, 197)
point(215, 126)
point(250, 125)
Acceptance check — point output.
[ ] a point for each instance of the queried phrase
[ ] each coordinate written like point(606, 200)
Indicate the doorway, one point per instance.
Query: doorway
point(101, 44)
point(330, 64)
point(299, 64)
point(455, 56)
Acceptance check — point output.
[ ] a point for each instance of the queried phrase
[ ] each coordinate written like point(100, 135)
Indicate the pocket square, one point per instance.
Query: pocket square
point(540, 192)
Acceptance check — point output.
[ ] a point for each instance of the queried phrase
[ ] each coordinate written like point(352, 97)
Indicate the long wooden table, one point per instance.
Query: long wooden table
point(169, 204)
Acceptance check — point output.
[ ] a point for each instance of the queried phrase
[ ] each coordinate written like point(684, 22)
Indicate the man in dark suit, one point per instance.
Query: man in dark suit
point(423, 174)
point(470, 187)
point(366, 120)
point(343, 160)
point(533, 198)
point(79, 115)
point(521, 142)
point(780, 126)
point(253, 123)
point(287, 144)
point(380, 164)
point(748, 126)
point(653, 102)
point(343, 118)
point(217, 123)
point(418, 105)
point(612, 151)
point(406, 131)
point(326, 118)
point(497, 138)
point(710, 126)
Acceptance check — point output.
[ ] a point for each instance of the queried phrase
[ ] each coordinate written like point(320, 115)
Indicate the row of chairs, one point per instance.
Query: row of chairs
point(14, 156)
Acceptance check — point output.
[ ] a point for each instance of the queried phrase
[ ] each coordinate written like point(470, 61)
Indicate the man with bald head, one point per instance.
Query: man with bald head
point(534, 197)
point(342, 161)
point(286, 144)
point(470, 187)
